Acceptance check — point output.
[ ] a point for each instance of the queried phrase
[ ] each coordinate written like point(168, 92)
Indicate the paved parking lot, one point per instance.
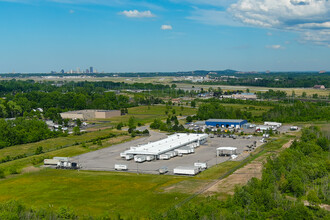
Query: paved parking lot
point(105, 159)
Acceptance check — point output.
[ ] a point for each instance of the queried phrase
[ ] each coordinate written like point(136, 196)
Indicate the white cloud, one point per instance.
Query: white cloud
point(275, 47)
point(137, 14)
point(166, 27)
point(311, 18)
point(319, 37)
point(206, 2)
point(213, 17)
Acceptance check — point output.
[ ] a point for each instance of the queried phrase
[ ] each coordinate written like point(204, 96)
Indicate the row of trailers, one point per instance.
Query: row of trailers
point(189, 149)
point(180, 170)
point(165, 149)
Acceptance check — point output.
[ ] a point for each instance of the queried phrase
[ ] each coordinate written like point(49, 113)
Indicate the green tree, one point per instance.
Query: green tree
point(304, 95)
point(99, 142)
point(120, 125)
point(39, 150)
point(313, 199)
point(189, 119)
point(78, 121)
point(193, 103)
point(132, 122)
point(76, 130)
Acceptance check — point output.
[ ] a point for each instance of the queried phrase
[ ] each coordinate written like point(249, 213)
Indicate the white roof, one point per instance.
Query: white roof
point(165, 145)
point(227, 148)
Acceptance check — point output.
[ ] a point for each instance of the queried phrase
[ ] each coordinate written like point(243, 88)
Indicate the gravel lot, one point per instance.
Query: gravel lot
point(106, 158)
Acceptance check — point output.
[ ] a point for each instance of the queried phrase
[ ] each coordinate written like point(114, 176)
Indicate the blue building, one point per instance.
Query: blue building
point(226, 123)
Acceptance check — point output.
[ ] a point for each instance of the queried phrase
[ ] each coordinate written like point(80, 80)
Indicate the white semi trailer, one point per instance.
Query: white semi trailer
point(51, 161)
point(191, 171)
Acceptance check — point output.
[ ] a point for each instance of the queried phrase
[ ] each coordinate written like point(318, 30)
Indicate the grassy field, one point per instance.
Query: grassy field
point(93, 193)
point(54, 143)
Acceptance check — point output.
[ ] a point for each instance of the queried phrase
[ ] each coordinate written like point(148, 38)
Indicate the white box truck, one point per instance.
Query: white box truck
point(120, 167)
point(202, 166)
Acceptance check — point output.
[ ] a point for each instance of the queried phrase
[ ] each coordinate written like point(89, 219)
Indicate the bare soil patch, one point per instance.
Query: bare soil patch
point(242, 175)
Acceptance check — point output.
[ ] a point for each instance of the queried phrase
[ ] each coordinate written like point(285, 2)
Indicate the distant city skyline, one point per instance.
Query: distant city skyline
point(164, 36)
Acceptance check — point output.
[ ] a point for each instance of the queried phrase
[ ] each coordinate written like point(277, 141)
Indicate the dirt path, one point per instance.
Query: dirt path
point(242, 175)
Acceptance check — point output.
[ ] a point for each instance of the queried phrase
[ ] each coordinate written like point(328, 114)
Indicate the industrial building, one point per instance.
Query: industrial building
point(245, 96)
point(226, 123)
point(180, 143)
point(90, 114)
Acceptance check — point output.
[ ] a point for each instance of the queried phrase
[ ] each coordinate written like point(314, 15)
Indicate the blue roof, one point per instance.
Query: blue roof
point(226, 120)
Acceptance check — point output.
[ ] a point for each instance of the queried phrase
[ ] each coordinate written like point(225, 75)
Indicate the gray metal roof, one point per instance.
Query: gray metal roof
point(225, 120)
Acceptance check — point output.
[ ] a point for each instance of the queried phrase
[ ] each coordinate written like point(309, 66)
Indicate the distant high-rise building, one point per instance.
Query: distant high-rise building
point(87, 70)
point(62, 71)
point(91, 70)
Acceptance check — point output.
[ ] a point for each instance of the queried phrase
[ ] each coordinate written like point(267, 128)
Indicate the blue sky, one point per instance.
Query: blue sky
point(164, 35)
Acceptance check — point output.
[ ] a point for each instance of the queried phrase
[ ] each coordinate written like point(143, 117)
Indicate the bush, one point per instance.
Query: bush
point(2, 174)
point(119, 126)
point(13, 170)
point(39, 150)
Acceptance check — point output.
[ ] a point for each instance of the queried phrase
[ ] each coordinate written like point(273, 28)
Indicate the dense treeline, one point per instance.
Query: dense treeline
point(17, 210)
point(301, 170)
point(299, 111)
point(275, 80)
point(270, 94)
point(215, 110)
point(24, 97)
point(16, 86)
point(22, 130)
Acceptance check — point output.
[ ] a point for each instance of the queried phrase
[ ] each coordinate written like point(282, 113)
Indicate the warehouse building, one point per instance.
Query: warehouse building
point(226, 123)
point(90, 114)
point(179, 141)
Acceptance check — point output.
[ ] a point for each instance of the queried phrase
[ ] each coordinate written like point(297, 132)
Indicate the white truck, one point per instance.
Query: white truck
point(120, 167)
point(202, 166)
